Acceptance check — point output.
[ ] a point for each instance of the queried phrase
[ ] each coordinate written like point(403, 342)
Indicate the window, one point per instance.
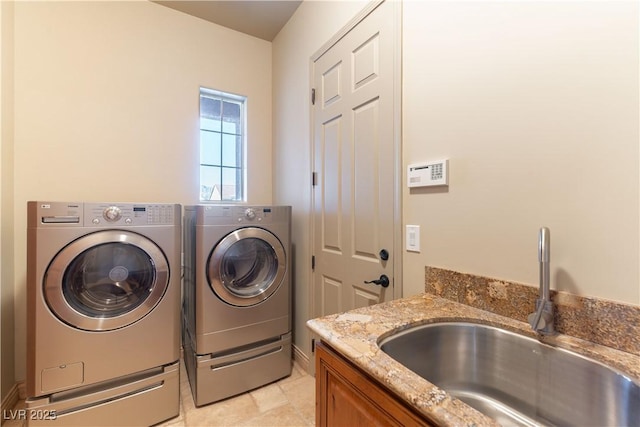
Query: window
point(222, 125)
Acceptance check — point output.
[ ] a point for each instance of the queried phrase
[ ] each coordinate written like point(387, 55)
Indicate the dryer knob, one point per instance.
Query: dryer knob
point(250, 214)
point(112, 213)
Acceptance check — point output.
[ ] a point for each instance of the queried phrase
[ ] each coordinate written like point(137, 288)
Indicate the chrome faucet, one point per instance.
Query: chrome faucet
point(542, 320)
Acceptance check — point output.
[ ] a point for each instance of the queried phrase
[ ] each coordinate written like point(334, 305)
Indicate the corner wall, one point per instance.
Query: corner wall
point(311, 26)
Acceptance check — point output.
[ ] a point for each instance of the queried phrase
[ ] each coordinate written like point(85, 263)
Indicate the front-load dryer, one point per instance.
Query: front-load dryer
point(237, 298)
point(103, 322)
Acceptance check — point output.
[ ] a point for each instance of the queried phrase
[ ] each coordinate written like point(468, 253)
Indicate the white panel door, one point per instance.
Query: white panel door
point(354, 137)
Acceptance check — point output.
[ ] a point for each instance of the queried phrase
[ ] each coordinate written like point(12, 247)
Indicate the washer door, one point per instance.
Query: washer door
point(247, 266)
point(106, 280)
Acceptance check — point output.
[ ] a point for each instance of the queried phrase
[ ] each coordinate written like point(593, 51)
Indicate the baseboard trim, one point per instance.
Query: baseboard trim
point(10, 401)
point(301, 358)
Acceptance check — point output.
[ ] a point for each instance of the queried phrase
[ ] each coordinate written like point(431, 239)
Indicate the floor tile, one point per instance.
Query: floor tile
point(269, 397)
point(289, 402)
point(301, 394)
point(285, 415)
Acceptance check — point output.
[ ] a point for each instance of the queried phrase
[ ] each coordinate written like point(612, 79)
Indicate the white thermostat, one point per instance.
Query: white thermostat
point(428, 174)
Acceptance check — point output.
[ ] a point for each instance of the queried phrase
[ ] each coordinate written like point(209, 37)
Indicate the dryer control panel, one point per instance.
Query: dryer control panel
point(232, 215)
point(252, 214)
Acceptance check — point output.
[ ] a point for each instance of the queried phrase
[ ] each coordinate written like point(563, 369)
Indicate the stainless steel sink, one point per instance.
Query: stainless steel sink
point(514, 379)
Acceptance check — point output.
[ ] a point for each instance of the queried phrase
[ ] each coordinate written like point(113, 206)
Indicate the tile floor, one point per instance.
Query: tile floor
point(289, 402)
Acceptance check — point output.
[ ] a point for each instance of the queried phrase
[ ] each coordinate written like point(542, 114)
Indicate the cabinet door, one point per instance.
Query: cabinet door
point(345, 396)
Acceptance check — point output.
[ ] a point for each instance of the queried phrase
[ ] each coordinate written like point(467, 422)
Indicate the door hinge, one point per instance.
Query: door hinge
point(313, 345)
point(313, 262)
point(313, 97)
point(314, 179)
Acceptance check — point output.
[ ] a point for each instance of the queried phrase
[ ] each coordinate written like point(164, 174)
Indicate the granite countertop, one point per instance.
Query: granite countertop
point(355, 334)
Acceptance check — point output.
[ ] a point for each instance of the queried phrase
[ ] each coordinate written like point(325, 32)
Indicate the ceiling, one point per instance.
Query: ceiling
point(258, 18)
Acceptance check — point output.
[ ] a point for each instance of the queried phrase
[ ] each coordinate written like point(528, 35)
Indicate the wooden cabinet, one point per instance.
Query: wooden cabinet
point(346, 396)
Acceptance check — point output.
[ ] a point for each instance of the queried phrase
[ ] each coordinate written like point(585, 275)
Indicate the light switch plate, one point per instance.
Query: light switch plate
point(413, 238)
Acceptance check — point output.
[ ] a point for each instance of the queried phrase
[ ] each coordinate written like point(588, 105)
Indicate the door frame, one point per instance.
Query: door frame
point(397, 141)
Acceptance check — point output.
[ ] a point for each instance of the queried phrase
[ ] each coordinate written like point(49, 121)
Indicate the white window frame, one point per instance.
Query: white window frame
point(220, 193)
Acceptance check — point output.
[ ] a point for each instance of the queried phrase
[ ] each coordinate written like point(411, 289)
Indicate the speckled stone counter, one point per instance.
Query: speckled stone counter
point(356, 334)
point(600, 321)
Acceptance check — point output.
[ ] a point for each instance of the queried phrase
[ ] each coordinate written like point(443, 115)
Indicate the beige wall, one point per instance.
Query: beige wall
point(536, 106)
point(313, 24)
point(106, 108)
point(7, 342)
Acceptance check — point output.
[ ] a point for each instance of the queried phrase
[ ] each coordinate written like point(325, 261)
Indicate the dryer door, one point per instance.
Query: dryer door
point(247, 266)
point(106, 280)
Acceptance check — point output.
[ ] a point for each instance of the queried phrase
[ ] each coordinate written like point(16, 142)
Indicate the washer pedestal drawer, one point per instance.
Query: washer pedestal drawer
point(141, 399)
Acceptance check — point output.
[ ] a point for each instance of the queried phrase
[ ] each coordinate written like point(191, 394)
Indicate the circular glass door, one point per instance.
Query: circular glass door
point(247, 266)
point(106, 280)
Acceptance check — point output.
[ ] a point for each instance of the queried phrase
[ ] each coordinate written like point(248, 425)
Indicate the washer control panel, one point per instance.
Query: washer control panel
point(129, 214)
point(125, 214)
point(56, 214)
point(112, 213)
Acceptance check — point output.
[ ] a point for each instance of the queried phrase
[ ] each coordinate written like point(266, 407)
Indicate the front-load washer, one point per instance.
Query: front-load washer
point(237, 298)
point(103, 312)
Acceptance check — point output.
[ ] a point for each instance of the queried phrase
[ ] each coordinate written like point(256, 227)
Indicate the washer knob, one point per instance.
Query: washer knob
point(250, 213)
point(112, 213)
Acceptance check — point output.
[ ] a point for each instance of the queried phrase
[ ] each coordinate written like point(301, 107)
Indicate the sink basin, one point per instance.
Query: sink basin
point(514, 379)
